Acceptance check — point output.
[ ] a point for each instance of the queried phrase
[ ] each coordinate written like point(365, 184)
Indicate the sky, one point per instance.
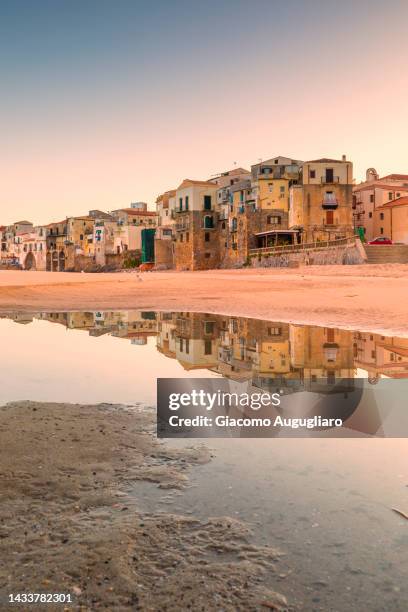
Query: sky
point(103, 103)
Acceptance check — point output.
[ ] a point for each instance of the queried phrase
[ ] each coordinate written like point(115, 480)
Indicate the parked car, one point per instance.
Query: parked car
point(381, 240)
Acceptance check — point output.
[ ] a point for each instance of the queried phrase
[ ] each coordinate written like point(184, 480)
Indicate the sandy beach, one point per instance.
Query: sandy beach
point(365, 298)
point(71, 523)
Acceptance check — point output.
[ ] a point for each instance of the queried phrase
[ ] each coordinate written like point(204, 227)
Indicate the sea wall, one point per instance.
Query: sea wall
point(350, 254)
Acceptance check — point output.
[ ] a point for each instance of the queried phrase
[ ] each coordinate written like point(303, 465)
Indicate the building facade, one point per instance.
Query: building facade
point(321, 207)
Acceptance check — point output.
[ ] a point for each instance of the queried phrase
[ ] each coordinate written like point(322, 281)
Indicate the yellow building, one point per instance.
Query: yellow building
point(391, 220)
point(322, 353)
point(80, 233)
point(322, 207)
point(271, 181)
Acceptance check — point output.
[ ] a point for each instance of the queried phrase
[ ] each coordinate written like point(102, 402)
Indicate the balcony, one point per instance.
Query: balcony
point(182, 227)
point(330, 202)
point(329, 179)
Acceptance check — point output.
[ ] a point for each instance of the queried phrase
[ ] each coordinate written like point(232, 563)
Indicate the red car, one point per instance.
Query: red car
point(381, 240)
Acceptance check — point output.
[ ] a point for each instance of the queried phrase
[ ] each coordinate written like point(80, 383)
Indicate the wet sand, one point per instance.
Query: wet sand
point(364, 298)
point(70, 522)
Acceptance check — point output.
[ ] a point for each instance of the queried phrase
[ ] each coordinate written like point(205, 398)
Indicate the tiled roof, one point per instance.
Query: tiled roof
point(326, 160)
point(393, 203)
point(191, 182)
point(395, 177)
point(134, 211)
point(376, 185)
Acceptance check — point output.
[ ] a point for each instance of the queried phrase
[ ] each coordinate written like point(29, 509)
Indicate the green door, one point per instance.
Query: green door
point(148, 245)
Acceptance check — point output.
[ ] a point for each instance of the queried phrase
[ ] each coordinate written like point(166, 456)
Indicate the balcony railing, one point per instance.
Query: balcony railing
point(329, 180)
point(182, 227)
point(288, 248)
point(330, 202)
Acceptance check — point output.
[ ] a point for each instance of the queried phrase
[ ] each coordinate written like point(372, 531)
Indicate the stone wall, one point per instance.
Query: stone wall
point(113, 262)
point(163, 254)
point(349, 254)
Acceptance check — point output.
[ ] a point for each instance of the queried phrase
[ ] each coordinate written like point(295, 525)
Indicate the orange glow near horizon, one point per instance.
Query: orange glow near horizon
point(100, 117)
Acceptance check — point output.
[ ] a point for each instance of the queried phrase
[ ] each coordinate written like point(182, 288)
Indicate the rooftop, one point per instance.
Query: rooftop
point(135, 212)
point(326, 160)
point(192, 182)
point(377, 185)
point(394, 203)
point(395, 177)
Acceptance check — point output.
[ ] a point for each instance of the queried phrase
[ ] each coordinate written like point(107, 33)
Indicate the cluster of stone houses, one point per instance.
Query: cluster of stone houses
point(380, 206)
point(219, 222)
point(92, 241)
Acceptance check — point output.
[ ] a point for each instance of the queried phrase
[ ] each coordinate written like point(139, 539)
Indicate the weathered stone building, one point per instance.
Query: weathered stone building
point(197, 244)
point(321, 207)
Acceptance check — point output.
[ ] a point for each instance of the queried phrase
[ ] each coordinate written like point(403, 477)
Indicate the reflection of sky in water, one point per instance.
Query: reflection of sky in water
point(48, 362)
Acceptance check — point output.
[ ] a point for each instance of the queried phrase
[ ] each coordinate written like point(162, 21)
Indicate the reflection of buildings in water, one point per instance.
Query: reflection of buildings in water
point(263, 352)
point(133, 325)
point(269, 355)
point(381, 355)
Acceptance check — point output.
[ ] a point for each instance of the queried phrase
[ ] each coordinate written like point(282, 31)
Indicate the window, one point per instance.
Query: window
point(181, 237)
point(187, 346)
point(390, 195)
point(181, 344)
point(207, 347)
point(223, 225)
point(207, 202)
point(381, 230)
point(312, 174)
point(370, 214)
point(81, 236)
point(382, 216)
point(187, 236)
point(398, 195)
point(273, 220)
point(372, 198)
point(186, 203)
point(241, 196)
point(207, 236)
point(207, 255)
point(208, 222)
point(180, 203)
point(270, 187)
point(282, 189)
point(274, 331)
point(209, 327)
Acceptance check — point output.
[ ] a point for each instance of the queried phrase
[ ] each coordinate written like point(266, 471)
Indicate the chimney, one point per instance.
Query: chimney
point(343, 158)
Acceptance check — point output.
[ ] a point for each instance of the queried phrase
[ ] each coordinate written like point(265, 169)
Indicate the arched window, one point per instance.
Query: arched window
point(208, 222)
